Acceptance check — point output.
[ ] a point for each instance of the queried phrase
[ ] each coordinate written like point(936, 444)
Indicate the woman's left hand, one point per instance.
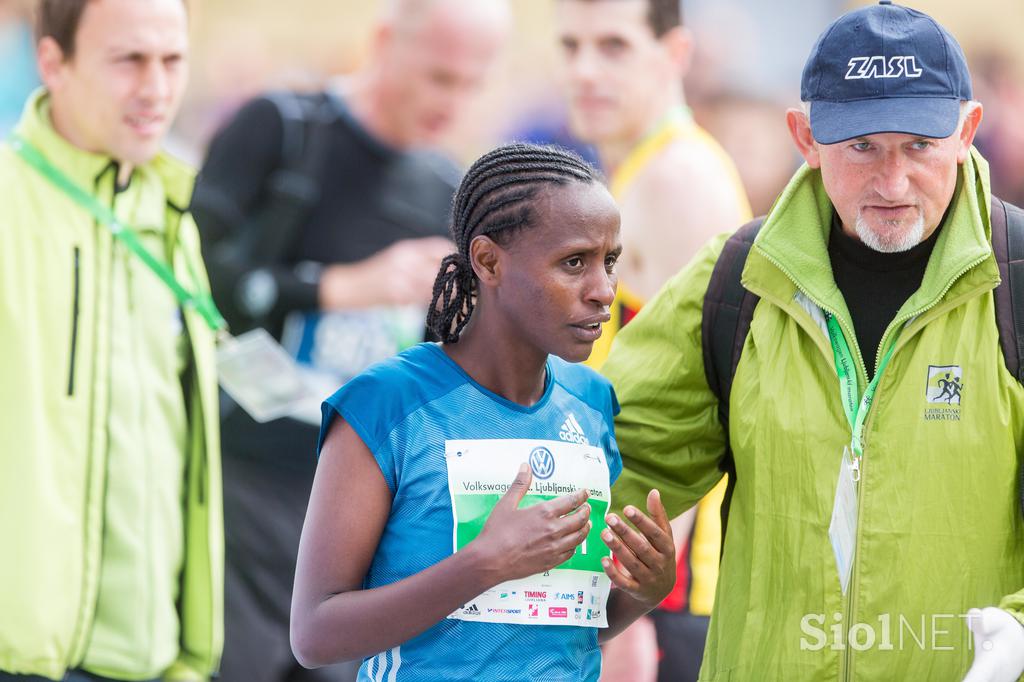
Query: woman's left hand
point(646, 555)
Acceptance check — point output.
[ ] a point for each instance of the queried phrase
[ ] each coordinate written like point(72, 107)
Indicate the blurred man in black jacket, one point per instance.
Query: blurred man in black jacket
point(324, 220)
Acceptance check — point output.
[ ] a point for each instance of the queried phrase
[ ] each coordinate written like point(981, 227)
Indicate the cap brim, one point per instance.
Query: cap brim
point(833, 122)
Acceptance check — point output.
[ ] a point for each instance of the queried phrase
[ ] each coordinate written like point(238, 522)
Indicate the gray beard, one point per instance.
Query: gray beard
point(899, 242)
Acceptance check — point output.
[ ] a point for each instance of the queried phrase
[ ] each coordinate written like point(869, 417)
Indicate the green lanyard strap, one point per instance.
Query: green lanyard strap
point(856, 410)
point(200, 301)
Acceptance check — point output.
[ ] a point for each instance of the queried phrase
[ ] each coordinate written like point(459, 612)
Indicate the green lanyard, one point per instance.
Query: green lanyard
point(856, 410)
point(200, 301)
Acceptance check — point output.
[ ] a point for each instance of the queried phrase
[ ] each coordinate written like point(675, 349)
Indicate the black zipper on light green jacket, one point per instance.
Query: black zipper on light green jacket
point(75, 273)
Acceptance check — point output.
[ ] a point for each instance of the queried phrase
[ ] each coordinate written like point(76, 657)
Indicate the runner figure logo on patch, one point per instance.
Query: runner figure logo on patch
point(945, 383)
point(943, 392)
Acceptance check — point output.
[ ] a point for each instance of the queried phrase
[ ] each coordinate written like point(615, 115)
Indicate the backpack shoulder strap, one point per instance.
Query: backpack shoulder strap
point(292, 112)
point(1007, 223)
point(293, 188)
point(727, 311)
point(725, 321)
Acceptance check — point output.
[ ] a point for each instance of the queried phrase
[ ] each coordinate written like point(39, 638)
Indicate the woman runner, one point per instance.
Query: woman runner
point(456, 526)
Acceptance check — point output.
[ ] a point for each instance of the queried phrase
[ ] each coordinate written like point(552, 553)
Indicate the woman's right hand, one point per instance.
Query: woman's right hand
point(516, 543)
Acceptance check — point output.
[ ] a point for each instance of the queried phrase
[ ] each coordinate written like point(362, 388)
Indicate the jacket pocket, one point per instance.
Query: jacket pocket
point(76, 278)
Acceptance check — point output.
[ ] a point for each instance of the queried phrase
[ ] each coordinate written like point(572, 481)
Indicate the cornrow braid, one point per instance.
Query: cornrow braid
point(495, 198)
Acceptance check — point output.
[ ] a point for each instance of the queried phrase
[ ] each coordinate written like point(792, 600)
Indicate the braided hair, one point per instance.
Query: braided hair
point(495, 199)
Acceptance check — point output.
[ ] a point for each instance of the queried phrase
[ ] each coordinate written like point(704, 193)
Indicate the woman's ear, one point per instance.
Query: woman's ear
point(485, 259)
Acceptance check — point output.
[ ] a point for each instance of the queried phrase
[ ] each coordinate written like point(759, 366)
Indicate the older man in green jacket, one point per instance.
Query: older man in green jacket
point(875, 274)
point(110, 511)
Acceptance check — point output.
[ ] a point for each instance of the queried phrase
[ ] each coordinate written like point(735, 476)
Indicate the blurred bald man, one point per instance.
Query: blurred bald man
point(324, 218)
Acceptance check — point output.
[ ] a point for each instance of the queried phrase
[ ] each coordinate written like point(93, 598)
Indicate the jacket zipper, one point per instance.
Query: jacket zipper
point(74, 319)
point(83, 634)
point(89, 627)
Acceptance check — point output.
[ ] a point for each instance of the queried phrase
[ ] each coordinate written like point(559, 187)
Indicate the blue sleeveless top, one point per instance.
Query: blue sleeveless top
point(404, 409)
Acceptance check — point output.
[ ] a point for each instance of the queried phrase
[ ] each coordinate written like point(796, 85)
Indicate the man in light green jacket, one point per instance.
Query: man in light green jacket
point(862, 530)
point(110, 512)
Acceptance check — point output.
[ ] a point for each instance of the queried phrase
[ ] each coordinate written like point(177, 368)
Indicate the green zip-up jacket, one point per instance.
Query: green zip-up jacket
point(939, 521)
point(61, 330)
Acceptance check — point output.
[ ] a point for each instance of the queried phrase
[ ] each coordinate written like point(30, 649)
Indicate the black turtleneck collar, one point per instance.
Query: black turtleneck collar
point(875, 285)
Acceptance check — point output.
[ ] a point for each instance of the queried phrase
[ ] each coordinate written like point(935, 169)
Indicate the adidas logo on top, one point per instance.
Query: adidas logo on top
point(572, 432)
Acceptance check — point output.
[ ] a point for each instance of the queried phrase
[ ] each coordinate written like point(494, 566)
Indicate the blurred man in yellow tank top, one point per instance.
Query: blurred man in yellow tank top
point(624, 65)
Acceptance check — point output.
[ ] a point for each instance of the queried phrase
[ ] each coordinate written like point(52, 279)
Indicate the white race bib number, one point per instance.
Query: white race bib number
point(480, 472)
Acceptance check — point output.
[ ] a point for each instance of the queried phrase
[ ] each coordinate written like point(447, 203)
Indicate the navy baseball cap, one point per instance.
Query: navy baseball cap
point(884, 69)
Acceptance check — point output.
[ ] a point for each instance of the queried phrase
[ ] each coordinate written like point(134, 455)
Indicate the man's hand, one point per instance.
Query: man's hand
point(401, 274)
point(648, 557)
point(998, 646)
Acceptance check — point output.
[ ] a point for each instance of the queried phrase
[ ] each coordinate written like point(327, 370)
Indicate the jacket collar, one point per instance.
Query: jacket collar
point(83, 167)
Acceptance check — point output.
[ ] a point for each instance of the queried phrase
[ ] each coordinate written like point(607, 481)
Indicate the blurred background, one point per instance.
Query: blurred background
point(746, 72)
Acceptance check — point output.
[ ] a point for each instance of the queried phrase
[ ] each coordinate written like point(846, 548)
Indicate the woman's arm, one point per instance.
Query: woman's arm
point(333, 619)
point(648, 564)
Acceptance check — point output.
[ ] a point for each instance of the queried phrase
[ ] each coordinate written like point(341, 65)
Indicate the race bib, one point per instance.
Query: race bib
point(480, 472)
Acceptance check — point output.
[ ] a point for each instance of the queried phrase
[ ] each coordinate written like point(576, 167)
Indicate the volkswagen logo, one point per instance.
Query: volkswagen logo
point(542, 462)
